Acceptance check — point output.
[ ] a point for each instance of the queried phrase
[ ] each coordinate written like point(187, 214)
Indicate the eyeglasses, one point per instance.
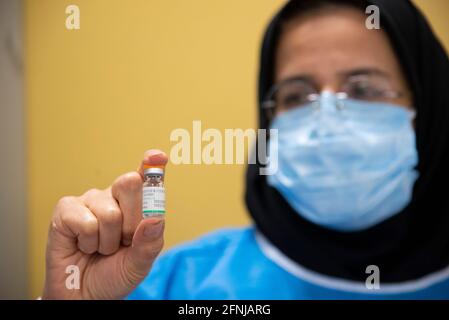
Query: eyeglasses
point(297, 93)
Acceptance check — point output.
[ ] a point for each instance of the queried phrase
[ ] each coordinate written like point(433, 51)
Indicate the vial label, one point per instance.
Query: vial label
point(153, 201)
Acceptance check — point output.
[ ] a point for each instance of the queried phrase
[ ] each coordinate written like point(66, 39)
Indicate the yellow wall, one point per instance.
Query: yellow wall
point(437, 12)
point(98, 97)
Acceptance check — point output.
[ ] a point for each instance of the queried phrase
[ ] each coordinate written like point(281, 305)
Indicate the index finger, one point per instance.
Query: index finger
point(152, 157)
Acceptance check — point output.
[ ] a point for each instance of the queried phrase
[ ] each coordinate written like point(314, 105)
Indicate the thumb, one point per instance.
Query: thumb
point(146, 245)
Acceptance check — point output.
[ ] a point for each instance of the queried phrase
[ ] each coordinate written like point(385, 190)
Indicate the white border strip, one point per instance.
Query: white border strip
point(334, 283)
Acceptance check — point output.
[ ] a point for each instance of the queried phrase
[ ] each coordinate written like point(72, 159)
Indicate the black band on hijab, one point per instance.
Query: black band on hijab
point(412, 243)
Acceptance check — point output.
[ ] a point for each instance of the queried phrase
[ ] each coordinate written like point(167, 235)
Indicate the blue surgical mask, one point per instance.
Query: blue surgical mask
point(347, 165)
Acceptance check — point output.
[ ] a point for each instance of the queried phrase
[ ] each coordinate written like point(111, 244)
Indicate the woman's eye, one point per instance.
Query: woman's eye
point(292, 100)
point(363, 91)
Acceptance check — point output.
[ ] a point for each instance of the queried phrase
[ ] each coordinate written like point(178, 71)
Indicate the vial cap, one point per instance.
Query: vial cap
point(153, 171)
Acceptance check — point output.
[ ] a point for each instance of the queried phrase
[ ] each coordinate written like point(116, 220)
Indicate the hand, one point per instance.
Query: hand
point(104, 235)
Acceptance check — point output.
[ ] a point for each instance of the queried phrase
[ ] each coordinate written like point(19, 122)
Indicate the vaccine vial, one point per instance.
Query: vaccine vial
point(153, 193)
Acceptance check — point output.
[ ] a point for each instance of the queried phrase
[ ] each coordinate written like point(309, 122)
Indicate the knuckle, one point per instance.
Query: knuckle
point(129, 181)
point(94, 192)
point(89, 227)
point(65, 202)
point(64, 209)
point(111, 215)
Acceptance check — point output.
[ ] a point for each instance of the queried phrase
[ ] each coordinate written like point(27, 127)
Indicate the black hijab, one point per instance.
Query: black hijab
point(412, 243)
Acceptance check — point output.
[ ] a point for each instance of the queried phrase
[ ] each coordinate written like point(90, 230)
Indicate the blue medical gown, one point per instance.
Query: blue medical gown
point(230, 264)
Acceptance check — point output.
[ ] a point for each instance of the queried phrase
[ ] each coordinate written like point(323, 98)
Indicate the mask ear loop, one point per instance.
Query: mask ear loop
point(268, 107)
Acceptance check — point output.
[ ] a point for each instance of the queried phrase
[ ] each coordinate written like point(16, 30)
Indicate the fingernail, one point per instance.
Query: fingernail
point(153, 231)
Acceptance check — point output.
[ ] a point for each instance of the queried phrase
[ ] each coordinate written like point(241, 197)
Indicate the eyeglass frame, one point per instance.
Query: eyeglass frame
point(270, 104)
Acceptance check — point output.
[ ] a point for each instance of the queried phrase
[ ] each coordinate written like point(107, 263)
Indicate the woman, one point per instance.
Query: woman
point(357, 208)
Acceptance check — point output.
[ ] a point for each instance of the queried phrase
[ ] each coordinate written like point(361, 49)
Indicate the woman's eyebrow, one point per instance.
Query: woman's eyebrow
point(364, 71)
point(304, 77)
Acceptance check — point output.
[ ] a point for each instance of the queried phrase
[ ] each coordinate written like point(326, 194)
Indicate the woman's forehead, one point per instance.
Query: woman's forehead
point(332, 43)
